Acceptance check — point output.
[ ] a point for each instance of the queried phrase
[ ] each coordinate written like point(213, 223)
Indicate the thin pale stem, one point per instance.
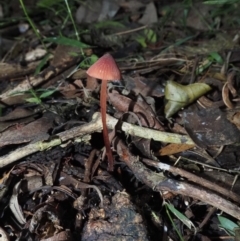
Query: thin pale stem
point(103, 103)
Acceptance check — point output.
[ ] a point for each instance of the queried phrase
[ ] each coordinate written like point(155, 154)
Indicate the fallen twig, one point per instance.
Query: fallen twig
point(94, 126)
point(157, 182)
point(196, 179)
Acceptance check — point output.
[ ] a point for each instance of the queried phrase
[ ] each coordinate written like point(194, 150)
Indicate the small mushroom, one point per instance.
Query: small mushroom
point(105, 69)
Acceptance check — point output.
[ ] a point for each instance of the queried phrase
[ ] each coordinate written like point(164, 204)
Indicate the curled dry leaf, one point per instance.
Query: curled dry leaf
point(14, 205)
point(230, 80)
point(225, 96)
point(178, 96)
point(125, 104)
point(207, 103)
point(235, 119)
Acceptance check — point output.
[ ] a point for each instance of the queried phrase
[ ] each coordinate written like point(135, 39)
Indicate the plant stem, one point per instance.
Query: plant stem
point(74, 25)
point(103, 103)
point(174, 226)
point(36, 31)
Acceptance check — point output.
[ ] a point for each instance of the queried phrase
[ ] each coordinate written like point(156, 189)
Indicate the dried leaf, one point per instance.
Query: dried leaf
point(125, 104)
point(225, 96)
point(14, 205)
point(144, 86)
point(209, 127)
point(174, 148)
point(149, 15)
point(25, 134)
point(18, 113)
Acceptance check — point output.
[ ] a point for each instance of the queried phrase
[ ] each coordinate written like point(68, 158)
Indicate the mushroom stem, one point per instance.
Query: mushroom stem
point(103, 103)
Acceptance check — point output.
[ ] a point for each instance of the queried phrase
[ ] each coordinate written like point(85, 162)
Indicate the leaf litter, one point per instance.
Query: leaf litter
point(173, 121)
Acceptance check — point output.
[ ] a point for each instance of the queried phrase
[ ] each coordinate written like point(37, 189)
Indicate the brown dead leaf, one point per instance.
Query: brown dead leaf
point(143, 86)
point(143, 145)
point(209, 127)
point(13, 71)
point(70, 91)
point(92, 83)
point(16, 117)
point(6, 124)
point(79, 74)
point(36, 130)
point(125, 104)
point(235, 118)
point(230, 80)
point(63, 54)
point(18, 113)
point(174, 148)
point(225, 96)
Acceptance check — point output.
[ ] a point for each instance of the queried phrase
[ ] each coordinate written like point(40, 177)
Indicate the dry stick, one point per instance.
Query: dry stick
point(194, 178)
point(94, 126)
point(103, 101)
point(157, 183)
point(207, 217)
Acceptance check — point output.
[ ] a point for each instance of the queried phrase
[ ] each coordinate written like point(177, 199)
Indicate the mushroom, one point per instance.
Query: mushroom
point(105, 69)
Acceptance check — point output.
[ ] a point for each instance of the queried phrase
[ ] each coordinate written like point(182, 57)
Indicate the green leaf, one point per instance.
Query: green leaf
point(87, 62)
point(215, 56)
point(205, 64)
point(151, 36)
point(73, 54)
point(141, 40)
point(180, 216)
point(47, 93)
point(178, 96)
point(67, 41)
point(34, 100)
point(148, 36)
point(41, 64)
point(227, 224)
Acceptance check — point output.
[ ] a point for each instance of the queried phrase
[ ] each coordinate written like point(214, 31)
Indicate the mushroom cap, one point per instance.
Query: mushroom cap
point(105, 69)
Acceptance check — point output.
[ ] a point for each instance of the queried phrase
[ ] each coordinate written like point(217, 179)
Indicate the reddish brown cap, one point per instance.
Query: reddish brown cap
point(105, 69)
